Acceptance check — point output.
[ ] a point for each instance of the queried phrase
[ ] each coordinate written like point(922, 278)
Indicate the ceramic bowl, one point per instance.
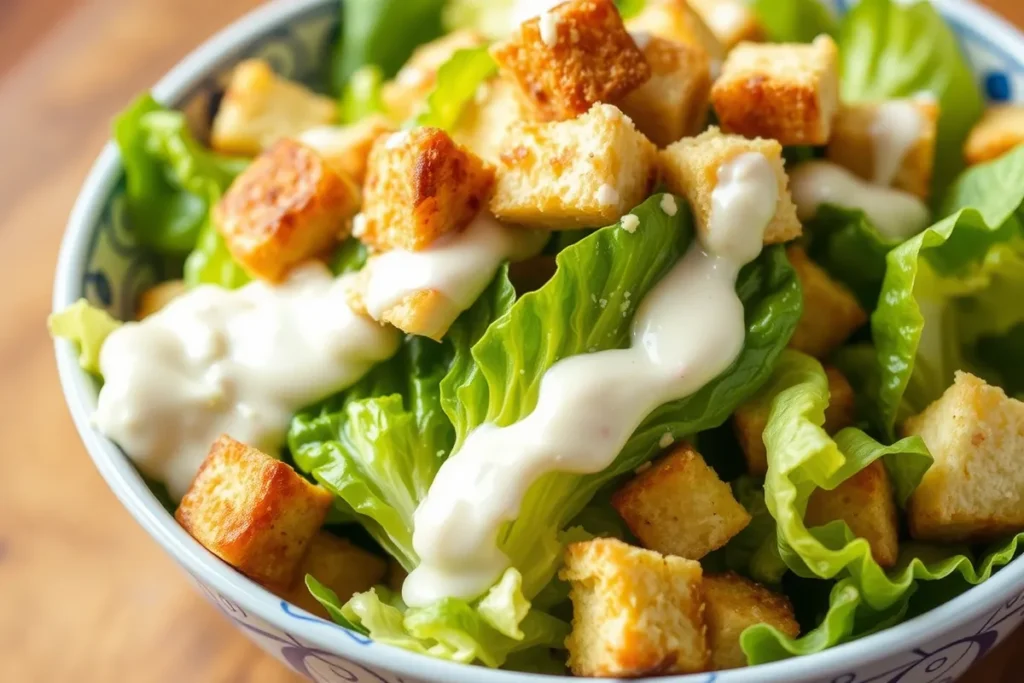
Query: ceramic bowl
point(100, 261)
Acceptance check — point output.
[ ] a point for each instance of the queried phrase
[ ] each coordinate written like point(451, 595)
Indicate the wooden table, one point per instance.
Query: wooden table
point(84, 594)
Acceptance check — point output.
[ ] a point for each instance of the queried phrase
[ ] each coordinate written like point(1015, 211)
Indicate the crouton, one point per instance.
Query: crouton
point(584, 173)
point(1000, 129)
point(731, 604)
point(676, 20)
point(831, 313)
point(427, 313)
point(674, 102)
point(288, 206)
point(571, 57)
point(679, 506)
point(635, 612)
point(420, 185)
point(253, 512)
point(787, 92)
point(690, 168)
point(347, 148)
point(751, 418)
point(335, 562)
point(158, 296)
point(974, 491)
point(487, 118)
point(865, 502)
point(854, 146)
point(259, 108)
point(407, 93)
point(732, 21)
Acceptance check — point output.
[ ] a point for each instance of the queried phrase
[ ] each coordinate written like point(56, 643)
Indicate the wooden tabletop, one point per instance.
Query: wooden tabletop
point(85, 595)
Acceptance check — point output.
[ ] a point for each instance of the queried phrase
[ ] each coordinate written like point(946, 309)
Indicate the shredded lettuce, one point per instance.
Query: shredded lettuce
point(457, 83)
point(794, 21)
point(86, 326)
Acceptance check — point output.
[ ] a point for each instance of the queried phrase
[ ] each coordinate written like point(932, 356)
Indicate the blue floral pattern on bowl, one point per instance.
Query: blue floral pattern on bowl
point(114, 270)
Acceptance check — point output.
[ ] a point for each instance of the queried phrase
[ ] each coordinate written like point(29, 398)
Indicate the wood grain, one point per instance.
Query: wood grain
point(85, 595)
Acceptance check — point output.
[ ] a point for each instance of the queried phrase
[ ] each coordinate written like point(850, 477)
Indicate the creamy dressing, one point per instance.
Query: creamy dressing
point(727, 18)
point(524, 10)
point(895, 130)
point(548, 26)
point(237, 362)
point(588, 405)
point(895, 213)
point(457, 266)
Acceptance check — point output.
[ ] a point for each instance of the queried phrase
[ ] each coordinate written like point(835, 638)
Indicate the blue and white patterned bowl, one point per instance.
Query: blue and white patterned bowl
point(99, 260)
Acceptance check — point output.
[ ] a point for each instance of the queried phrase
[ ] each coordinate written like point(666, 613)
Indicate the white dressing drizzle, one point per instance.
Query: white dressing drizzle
point(895, 213)
point(897, 126)
point(588, 405)
point(238, 362)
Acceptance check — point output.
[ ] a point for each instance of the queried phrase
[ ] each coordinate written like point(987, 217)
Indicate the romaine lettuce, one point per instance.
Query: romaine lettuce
point(457, 82)
point(794, 21)
point(361, 96)
point(86, 326)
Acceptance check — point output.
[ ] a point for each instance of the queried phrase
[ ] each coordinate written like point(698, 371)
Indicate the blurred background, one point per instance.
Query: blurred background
point(84, 594)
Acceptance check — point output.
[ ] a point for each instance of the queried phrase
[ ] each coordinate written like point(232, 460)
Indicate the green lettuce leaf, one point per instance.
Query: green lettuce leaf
point(349, 257)
point(457, 83)
point(86, 326)
point(210, 262)
point(892, 49)
point(794, 21)
point(171, 180)
point(754, 550)
point(497, 18)
point(587, 307)
point(361, 96)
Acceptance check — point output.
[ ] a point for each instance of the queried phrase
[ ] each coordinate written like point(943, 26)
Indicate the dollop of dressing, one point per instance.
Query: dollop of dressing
point(897, 126)
point(237, 362)
point(895, 213)
point(588, 405)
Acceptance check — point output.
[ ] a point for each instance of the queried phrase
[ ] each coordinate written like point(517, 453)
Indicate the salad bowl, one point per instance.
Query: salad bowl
point(101, 262)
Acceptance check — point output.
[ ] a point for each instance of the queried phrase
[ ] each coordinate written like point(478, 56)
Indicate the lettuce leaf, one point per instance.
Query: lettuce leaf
point(361, 96)
point(754, 551)
point(495, 19)
point(457, 83)
point(87, 327)
point(891, 49)
point(210, 262)
point(587, 307)
point(794, 21)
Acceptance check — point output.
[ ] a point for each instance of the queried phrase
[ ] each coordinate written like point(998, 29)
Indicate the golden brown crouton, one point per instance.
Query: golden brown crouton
point(788, 92)
point(732, 21)
point(347, 148)
point(487, 118)
point(1000, 129)
point(158, 296)
point(690, 168)
point(865, 502)
point(974, 491)
point(571, 57)
point(679, 506)
point(853, 144)
point(288, 206)
point(344, 568)
point(259, 108)
point(676, 20)
point(731, 604)
point(831, 313)
point(674, 102)
point(751, 418)
point(404, 95)
point(420, 185)
point(253, 512)
point(635, 612)
point(584, 173)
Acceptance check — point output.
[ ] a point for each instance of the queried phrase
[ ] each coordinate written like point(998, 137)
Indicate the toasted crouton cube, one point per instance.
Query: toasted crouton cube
point(335, 562)
point(487, 118)
point(404, 95)
point(288, 206)
point(751, 418)
point(974, 491)
point(865, 502)
point(259, 108)
point(253, 512)
point(787, 92)
point(347, 148)
point(674, 102)
point(831, 313)
point(690, 167)
point(732, 21)
point(584, 173)
point(731, 604)
point(572, 57)
point(676, 20)
point(855, 143)
point(420, 185)
point(679, 506)
point(1000, 129)
point(635, 612)
point(158, 296)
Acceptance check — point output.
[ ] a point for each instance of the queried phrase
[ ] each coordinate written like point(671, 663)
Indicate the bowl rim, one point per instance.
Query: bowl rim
point(128, 486)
